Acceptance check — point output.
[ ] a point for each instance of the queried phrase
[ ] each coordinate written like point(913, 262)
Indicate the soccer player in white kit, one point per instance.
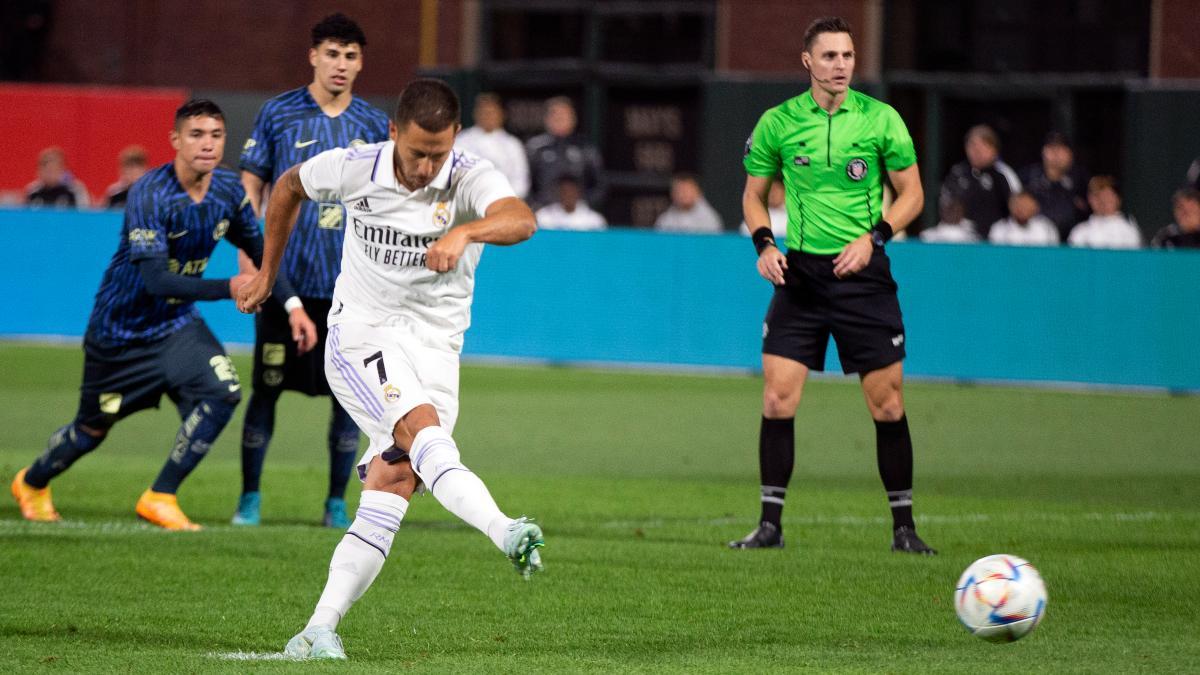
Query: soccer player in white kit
point(418, 213)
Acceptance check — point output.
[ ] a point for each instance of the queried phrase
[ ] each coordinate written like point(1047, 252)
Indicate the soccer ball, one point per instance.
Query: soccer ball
point(1000, 598)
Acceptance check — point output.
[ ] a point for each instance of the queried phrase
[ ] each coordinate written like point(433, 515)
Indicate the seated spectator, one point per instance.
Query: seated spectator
point(982, 182)
point(1107, 227)
point(689, 211)
point(131, 166)
point(570, 212)
point(776, 209)
point(489, 140)
point(954, 226)
point(1185, 231)
point(560, 151)
point(1058, 184)
point(55, 186)
point(1025, 227)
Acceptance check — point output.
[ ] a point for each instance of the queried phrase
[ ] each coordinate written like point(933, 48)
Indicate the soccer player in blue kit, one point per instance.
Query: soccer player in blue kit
point(145, 336)
point(290, 128)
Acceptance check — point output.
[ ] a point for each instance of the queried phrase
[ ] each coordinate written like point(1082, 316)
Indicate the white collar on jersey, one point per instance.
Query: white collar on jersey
point(384, 174)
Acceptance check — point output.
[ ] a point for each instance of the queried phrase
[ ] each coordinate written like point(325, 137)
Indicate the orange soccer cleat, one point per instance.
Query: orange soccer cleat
point(34, 502)
point(162, 509)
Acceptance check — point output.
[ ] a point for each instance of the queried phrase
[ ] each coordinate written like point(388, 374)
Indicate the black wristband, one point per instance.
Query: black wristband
point(763, 237)
point(881, 233)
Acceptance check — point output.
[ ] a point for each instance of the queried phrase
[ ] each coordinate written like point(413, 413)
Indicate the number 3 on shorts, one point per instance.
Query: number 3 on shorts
point(377, 356)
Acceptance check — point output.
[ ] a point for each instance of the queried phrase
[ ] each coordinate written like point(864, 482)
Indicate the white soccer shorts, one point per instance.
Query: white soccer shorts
point(380, 373)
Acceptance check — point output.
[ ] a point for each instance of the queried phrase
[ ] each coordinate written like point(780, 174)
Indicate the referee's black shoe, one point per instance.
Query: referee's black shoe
point(766, 535)
point(905, 540)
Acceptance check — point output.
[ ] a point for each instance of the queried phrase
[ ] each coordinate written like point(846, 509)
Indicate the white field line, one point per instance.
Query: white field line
point(250, 656)
point(100, 529)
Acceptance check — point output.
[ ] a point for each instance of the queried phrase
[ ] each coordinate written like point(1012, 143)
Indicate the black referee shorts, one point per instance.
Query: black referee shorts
point(277, 366)
point(861, 311)
point(189, 366)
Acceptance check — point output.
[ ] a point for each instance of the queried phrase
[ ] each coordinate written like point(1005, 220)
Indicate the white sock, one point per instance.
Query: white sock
point(436, 460)
point(359, 556)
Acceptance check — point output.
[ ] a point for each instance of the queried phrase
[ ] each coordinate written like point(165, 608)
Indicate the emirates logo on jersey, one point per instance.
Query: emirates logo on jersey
point(856, 169)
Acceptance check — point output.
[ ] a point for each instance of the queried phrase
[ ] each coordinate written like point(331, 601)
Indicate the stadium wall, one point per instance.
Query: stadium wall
point(1110, 318)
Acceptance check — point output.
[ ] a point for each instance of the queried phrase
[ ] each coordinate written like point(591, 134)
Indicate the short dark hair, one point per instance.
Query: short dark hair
point(825, 24)
point(430, 103)
point(198, 107)
point(1187, 193)
point(339, 28)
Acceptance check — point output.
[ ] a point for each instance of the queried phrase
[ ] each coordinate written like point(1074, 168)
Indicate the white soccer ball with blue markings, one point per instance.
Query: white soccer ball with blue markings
point(1000, 598)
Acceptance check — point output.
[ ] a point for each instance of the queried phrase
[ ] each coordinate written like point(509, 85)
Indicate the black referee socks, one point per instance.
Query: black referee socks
point(894, 453)
point(776, 456)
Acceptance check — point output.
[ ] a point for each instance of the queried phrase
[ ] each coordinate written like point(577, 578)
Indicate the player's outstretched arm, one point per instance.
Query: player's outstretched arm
point(286, 197)
point(507, 221)
point(771, 263)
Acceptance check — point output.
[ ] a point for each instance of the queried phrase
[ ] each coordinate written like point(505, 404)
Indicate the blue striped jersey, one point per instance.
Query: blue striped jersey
point(161, 220)
point(289, 129)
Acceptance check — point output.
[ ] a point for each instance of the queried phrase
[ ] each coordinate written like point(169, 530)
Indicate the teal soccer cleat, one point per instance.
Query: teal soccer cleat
point(335, 514)
point(521, 545)
point(318, 642)
point(247, 510)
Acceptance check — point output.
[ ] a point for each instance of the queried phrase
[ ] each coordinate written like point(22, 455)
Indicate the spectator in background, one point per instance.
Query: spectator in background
point(131, 165)
point(1025, 227)
point(570, 212)
point(1107, 227)
point(776, 210)
point(1185, 231)
point(1058, 184)
point(689, 211)
point(55, 186)
point(489, 140)
point(560, 151)
point(983, 183)
point(953, 227)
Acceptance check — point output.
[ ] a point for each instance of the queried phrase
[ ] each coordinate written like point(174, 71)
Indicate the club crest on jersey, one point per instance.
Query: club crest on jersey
point(221, 229)
point(441, 214)
point(856, 169)
point(391, 393)
point(250, 143)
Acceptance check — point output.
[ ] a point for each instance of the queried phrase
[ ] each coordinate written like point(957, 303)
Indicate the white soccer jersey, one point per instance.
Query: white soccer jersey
point(389, 229)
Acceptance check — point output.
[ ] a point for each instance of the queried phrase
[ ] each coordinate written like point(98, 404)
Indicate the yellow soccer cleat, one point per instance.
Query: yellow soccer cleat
point(162, 509)
point(34, 502)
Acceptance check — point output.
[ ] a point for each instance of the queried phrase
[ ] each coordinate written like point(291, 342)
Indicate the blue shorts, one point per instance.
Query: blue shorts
point(189, 366)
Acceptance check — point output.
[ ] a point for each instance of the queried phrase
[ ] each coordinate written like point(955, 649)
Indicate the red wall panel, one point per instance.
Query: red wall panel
point(92, 124)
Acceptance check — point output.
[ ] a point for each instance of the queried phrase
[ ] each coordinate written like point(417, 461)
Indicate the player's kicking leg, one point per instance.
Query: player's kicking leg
point(883, 389)
point(392, 477)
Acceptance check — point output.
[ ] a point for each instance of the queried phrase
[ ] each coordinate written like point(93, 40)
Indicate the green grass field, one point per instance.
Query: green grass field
point(638, 479)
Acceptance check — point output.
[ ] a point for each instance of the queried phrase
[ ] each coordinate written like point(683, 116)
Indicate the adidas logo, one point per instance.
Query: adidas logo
point(362, 205)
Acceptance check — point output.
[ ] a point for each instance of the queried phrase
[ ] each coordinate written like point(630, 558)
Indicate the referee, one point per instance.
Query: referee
point(833, 146)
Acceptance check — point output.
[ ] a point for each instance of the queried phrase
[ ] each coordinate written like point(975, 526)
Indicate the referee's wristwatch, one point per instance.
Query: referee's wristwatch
point(881, 233)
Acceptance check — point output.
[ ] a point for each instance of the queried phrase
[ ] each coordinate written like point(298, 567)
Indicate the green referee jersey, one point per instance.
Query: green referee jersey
point(832, 165)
